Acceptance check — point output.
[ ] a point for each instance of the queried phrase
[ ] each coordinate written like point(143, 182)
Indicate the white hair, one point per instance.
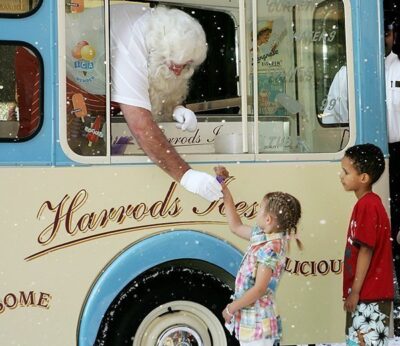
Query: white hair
point(172, 37)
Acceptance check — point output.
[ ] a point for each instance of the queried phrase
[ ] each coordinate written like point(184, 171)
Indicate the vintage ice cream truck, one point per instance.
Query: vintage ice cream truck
point(101, 247)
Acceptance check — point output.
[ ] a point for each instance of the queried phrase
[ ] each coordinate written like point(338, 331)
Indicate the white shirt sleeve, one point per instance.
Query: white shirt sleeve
point(129, 73)
point(392, 74)
point(336, 109)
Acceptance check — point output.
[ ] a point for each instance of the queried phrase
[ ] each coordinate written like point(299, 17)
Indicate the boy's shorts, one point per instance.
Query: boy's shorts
point(369, 324)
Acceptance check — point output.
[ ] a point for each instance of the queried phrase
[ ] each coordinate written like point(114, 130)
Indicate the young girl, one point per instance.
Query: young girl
point(253, 311)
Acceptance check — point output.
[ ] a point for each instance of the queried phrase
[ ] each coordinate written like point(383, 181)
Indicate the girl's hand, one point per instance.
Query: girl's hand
point(221, 173)
point(227, 315)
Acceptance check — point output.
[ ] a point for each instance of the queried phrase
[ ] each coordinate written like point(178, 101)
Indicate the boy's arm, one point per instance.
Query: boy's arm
point(263, 277)
point(363, 262)
point(234, 221)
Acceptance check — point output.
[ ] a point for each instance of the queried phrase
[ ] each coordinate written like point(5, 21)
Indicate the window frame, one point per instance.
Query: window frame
point(104, 159)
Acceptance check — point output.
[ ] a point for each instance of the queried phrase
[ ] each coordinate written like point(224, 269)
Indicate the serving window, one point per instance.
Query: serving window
point(263, 89)
point(302, 76)
point(86, 78)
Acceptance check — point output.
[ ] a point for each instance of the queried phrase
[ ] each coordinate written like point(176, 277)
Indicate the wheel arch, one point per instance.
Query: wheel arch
point(195, 248)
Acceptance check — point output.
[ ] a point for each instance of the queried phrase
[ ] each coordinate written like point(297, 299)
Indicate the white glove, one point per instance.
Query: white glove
point(203, 184)
point(185, 118)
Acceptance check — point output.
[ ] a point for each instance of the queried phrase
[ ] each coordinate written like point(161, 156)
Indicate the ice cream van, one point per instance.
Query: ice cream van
point(101, 247)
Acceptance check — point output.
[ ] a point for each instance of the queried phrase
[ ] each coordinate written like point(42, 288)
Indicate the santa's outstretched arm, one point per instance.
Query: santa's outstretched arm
point(154, 143)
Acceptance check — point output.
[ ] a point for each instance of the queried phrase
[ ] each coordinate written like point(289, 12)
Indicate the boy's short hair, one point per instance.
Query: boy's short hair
point(367, 158)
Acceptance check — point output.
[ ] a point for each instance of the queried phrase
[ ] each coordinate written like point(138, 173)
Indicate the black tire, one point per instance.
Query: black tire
point(157, 287)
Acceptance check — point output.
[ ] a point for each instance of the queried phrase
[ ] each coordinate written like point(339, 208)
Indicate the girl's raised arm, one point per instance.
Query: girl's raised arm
point(234, 221)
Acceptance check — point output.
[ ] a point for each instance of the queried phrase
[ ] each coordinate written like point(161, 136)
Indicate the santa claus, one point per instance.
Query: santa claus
point(153, 54)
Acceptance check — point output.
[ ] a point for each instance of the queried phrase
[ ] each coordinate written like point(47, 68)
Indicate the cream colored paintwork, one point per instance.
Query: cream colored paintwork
point(310, 306)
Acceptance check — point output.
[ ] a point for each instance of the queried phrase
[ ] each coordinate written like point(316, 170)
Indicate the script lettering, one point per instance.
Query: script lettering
point(66, 213)
point(249, 211)
point(314, 268)
point(24, 299)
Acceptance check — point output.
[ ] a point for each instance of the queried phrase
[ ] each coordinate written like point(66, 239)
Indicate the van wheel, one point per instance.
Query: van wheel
point(169, 306)
point(180, 323)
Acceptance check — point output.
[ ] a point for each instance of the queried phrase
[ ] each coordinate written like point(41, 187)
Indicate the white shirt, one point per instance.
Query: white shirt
point(336, 109)
point(127, 49)
point(392, 75)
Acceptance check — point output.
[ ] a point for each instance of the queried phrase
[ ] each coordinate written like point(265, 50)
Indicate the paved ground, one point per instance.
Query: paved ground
point(392, 342)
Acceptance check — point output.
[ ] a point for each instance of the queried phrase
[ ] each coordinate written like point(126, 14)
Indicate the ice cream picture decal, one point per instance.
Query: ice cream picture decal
point(84, 54)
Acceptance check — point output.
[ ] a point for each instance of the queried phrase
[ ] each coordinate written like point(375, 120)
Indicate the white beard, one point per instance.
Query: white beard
point(166, 90)
point(172, 37)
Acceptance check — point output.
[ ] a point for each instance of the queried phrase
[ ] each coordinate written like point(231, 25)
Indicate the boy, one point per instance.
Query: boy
point(368, 264)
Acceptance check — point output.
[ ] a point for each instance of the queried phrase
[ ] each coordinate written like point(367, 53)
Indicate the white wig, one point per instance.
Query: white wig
point(172, 37)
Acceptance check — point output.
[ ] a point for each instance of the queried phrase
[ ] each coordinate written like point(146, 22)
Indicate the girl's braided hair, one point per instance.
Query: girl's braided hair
point(287, 210)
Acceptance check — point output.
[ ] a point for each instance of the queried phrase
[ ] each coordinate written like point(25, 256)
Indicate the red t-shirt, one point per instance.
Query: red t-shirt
point(369, 226)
